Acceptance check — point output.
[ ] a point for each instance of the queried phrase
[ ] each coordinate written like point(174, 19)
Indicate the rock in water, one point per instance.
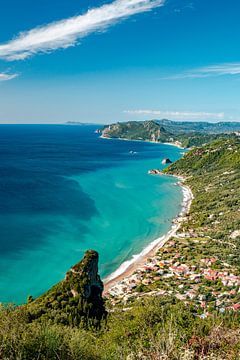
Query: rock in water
point(77, 299)
point(166, 161)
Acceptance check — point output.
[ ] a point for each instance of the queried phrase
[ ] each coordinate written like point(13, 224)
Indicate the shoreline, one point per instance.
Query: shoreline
point(174, 144)
point(147, 141)
point(127, 268)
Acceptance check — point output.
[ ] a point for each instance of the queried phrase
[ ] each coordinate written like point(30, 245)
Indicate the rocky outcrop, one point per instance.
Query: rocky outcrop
point(76, 299)
point(166, 161)
point(83, 277)
point(155, 172)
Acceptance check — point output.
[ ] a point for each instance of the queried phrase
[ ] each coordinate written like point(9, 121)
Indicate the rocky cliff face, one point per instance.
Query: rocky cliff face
point(83, 277)
point(76, 299)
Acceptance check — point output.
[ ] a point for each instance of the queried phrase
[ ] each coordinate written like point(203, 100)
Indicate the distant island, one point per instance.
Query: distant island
point(79, 123)
point(183, 134)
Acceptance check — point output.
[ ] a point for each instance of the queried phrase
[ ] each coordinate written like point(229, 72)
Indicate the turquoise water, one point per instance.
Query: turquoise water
point(63, 191)
point(134, 209)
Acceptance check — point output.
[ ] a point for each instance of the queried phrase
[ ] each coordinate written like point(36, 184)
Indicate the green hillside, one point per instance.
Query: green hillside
point(137, 130)
point(199, 126)
point(179, 133)
point(201, 263)
point(76, 299)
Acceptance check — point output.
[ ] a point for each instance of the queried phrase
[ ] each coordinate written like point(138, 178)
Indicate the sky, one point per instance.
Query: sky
point(102, 62)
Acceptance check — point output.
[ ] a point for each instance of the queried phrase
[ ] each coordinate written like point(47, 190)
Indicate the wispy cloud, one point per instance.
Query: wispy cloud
point(179, 115)
point(65, 33)
point(6, 77)
point(207, 71)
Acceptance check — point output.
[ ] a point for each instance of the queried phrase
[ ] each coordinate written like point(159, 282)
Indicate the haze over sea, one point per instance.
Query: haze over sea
point(64, 190)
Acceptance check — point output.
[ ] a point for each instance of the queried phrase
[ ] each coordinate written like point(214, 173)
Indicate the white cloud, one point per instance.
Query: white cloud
point(207, 71)
point(6, 77)
point(179, 115)
point(67, 32)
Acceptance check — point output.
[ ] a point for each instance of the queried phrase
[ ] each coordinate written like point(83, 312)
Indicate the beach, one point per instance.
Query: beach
point(138, 261)
point(176, 143)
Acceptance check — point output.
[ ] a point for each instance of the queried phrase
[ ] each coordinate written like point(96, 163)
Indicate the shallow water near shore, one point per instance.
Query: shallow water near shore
point(64, 190)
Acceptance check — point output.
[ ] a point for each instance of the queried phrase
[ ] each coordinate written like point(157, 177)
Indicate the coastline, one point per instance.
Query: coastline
point(127, 268)
point(174, 144)
point(148, 141)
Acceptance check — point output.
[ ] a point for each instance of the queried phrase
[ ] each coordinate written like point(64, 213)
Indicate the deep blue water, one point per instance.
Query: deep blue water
point(63, 190)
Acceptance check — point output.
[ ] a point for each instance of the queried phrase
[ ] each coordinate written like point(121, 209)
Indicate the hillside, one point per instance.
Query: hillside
point(201, 264)
point(76, 299)
point(186, 134)
point(134, 130)
point(199, 126)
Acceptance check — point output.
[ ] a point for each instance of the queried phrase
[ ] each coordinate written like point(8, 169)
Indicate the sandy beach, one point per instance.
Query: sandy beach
point(138, 261)
point(177, 144)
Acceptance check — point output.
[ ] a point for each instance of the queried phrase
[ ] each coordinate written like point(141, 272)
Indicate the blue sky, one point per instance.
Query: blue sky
point(95, 61)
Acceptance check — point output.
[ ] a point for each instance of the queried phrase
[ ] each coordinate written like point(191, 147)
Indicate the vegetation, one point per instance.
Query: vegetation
point(137, 130)
point(201, 263)
point(213, 174)
point(198, 139)
point(158, 328)
point(75, 300)
point(202, 127)
point(185, 134)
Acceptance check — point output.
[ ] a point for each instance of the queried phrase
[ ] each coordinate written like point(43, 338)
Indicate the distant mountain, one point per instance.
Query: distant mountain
point(199, 126)
point(79, 123)
point(186, 134)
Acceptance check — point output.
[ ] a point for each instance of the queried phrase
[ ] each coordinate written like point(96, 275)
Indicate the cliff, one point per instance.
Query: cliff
point(76, 299)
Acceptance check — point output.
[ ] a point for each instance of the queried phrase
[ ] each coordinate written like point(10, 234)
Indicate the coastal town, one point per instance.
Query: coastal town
point(197, 263)
point(169, 273)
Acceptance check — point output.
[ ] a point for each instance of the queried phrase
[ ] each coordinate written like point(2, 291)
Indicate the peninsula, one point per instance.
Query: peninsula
point(182, 134)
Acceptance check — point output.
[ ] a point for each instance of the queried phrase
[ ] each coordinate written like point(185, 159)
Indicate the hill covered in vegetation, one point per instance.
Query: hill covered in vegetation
point(201, 263)
point(199, 126)
point(136, 130)
point(186, 303)
point(76, 299)
point(186, 134)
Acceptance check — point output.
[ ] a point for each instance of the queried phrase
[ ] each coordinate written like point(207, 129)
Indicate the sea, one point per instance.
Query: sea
point(64, 190)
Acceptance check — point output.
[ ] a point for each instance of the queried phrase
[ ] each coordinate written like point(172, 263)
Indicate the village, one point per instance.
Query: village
point(203, 285)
